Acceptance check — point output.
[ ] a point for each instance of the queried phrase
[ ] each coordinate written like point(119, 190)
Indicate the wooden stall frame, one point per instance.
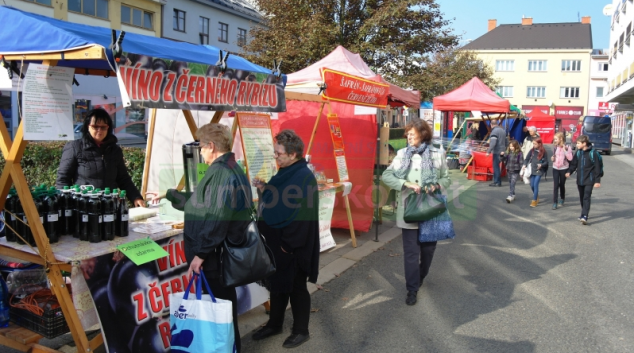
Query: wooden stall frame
point(304, 97)
point(12, 173)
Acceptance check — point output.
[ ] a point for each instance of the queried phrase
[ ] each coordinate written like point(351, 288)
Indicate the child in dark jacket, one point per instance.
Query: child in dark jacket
point(514, 162)
point(588, 164)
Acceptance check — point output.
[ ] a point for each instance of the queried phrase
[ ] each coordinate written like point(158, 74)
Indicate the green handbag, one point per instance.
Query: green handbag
point(423, 207)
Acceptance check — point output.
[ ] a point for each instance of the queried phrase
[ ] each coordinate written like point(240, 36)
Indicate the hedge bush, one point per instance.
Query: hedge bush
point(41, 160)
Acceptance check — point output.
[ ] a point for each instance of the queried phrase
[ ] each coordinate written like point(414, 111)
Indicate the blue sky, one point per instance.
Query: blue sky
point(470, 17)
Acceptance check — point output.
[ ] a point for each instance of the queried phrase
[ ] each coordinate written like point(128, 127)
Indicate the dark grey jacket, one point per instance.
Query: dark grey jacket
point(497, 142)
point(84, 163)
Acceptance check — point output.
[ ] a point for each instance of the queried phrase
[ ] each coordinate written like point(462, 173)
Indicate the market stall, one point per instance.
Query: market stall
point(474, 95)
point(154, 73)
point(357, 122)
point(544, 123)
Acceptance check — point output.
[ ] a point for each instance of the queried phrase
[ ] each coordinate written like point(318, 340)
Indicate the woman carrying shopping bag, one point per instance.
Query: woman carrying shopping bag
point(219, 209)
point(419, 168)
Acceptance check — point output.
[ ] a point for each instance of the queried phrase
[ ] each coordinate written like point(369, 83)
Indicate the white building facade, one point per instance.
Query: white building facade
point(621, 70)
point(224, 24)
point(598, 88)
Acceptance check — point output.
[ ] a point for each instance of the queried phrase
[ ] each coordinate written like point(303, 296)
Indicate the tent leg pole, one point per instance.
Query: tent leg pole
point(378, 193)
point(350, 224)
point(148, 154)
point(312, 136)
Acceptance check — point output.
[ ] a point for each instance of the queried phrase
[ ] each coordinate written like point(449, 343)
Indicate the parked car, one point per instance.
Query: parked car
point(77, 131)
point(599, 131)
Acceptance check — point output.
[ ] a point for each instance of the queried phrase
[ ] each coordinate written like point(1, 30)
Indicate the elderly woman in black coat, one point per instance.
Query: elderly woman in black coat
point(290, 213)
point(96, 159)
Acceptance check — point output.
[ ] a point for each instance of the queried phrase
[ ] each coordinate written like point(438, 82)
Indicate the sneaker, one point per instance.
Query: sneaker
point(533, 203)
point(512, 198)
point(584, 220)
point(555, 206)
point(411, 298)
point(509, 199)
point(561, 203)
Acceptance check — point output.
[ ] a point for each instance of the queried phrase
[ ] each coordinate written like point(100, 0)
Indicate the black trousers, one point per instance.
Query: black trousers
point(585, 193)
point(300, 305)
point(559, 180)
point(417, 258)
point(222, 292)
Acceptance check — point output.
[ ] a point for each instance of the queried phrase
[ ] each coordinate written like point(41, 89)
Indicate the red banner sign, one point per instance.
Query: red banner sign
point(162, 83)
point(342, 87)
point(562, 112)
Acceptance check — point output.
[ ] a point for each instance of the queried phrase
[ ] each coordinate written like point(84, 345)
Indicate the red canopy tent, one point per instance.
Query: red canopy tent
point(358, 127)
point(473, 95)
point(544, 123)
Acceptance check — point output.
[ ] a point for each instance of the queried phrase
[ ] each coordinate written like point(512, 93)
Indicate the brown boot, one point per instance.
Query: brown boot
point(534, 203)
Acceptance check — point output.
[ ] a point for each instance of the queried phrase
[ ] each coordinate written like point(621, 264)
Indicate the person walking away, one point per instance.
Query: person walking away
point(539, 165)
point(514, 161)
point(415, 166)
point(497, 146)
point(527, 145)
point(290, 223)
point(588, 165)
point(562, 155)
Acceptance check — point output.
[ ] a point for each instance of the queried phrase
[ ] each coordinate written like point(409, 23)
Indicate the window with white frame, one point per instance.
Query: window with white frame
point(599, 92)
point(203, 28)
point(536, 92)
point(179, 20)
point(504, 65)
point(603, 66)
point(505, 91)
point(537, 65)
point(571, 65)
point(136, 17)
point(96, 8)
point(569, 92)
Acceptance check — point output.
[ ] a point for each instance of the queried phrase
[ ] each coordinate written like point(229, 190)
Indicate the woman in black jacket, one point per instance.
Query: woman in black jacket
point(96, 159)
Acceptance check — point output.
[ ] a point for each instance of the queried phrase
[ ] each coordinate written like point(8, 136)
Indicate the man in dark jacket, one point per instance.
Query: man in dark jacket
point(96, 159)
point(588, 164)
point(497, 146)
point(290, 204)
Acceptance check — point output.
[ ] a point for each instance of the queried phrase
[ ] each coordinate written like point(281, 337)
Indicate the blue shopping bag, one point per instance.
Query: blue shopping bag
point(437, 228)
point(203, 324)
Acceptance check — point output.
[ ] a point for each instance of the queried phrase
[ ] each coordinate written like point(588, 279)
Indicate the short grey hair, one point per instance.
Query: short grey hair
point(494, 122)
point(533, 128)
point(219, 134)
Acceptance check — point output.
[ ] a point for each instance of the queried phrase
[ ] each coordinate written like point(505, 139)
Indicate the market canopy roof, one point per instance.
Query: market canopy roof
point(472, 96)
point(28, 33)
point(341, 59)
point(537, 114)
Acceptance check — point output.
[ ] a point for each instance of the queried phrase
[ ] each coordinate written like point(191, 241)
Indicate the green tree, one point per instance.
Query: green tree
point(390, 35)
point(447, 70)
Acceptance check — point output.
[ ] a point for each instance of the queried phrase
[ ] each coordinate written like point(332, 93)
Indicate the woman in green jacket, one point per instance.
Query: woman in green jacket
point(420, 167)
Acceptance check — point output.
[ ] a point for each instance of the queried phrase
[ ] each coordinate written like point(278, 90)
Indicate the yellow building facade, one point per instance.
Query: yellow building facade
point(135, 16)
point(545, 66)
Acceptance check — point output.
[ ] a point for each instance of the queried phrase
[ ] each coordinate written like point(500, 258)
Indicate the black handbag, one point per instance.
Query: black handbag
point(423, 207)
point(247, 262)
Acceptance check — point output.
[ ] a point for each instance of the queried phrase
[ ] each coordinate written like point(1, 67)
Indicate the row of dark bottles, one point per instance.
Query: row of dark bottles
point(88, 214)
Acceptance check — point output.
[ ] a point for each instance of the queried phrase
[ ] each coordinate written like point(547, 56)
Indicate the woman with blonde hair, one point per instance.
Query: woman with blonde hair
point(562, 155)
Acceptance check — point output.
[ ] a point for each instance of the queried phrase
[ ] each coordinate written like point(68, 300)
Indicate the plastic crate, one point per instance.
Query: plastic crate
point(470, 172)
point(482, 174)
point(50, 325)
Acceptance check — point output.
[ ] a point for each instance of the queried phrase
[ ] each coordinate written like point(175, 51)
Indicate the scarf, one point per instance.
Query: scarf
point(427, 170)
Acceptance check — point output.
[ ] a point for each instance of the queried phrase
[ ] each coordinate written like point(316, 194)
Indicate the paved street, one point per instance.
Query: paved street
point(515, 279)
